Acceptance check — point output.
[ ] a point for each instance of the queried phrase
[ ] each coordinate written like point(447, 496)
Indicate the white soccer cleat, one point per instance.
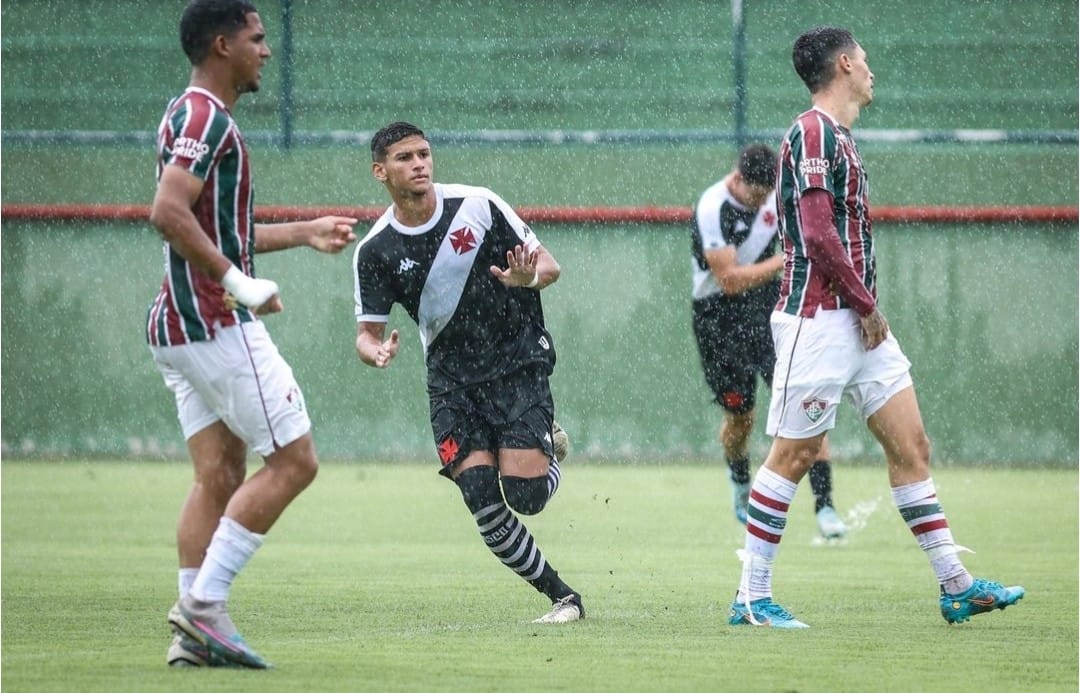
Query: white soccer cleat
point(564, 610)
point(185, 652)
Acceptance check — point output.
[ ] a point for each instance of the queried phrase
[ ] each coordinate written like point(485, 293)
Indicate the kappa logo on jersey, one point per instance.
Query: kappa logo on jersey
point(527, 230)
point(813, 166)
point(463, 240)
point(814, 408)
point(406, 265)
point(544, 343)
point(189, 148)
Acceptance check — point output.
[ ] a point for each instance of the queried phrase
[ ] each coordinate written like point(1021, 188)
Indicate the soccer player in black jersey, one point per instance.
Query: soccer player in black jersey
point(736, 283)
point(469, 272)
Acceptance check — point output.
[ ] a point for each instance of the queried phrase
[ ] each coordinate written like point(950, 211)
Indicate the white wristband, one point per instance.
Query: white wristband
point(535, 281)
point(247, 290)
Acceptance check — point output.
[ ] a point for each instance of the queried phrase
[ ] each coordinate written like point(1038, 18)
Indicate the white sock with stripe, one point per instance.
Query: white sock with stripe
point(770, 499)
point(918, 505)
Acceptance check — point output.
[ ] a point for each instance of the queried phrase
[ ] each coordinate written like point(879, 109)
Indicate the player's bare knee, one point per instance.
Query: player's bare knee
point(220, 480)
point(305, 471)
point(793, 458)
point(296, 470)
point(525, 496)
point(920, 451)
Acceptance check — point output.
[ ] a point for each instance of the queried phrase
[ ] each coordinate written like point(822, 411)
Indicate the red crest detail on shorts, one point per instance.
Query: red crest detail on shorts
point(733, 400)
point(769, 218)
point(448, 450)
point(462, 240)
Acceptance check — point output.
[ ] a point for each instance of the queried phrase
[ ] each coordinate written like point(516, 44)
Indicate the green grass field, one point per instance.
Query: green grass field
point(376, 580)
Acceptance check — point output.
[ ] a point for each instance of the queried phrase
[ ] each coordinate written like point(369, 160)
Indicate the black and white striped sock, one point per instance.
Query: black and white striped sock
point(504, 534)
point(554, 476)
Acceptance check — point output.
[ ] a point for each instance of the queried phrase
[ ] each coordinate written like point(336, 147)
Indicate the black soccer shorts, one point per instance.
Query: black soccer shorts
point(733, 353)
point(515, 412)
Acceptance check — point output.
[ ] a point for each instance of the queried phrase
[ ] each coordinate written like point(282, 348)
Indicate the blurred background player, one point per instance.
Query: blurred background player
point(832, 343)
point(735, 286)
point(469, 272)
point(233, 389)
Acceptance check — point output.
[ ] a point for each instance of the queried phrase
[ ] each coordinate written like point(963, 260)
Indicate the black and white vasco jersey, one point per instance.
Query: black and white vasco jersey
point(473, 328)
point(720, 221)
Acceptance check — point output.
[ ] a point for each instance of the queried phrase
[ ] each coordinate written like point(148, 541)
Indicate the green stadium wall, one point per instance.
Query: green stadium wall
point(986, 313)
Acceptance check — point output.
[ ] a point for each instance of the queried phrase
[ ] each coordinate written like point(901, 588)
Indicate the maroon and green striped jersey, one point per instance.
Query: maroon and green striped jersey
point(199, 134)
point(818, 152)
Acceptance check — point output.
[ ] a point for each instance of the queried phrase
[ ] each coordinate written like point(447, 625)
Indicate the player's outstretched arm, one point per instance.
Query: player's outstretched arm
point(328, 234)
point(370, 346)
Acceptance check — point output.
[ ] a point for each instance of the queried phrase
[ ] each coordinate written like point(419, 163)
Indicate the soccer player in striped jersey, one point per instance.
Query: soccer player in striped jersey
point(833, 342)
point(469, 272)
point(735, 285)
point(232, 388)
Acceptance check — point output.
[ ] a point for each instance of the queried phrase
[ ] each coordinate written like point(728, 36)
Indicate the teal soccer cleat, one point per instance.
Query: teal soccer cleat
point(763, 612)
point(981, 597)
point(208, 624)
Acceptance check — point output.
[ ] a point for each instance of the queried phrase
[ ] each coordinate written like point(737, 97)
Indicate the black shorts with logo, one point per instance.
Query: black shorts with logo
point(735, 348)
point(515, 412)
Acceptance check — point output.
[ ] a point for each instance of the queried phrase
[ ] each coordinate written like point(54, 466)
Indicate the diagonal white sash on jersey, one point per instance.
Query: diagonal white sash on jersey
point(760, 235)
point(445, 283)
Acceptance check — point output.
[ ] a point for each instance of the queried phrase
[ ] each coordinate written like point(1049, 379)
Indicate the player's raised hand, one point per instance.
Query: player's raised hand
point(331, 234)
point(875, 328)
point(387, 350)
point(520, 268)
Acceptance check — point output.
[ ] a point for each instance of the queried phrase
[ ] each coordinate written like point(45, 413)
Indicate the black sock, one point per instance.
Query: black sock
point(821, 484)
point(740, 469)
point(507, 537)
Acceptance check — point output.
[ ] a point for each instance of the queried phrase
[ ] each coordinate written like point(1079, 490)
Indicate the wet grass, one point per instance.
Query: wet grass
point(375, 580)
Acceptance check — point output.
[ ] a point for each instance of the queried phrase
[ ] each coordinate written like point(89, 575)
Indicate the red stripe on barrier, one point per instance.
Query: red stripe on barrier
point(556, 215)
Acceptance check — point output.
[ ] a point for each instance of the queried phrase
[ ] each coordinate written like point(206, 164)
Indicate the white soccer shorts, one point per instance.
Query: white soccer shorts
point(821, 360)
point(239, 378)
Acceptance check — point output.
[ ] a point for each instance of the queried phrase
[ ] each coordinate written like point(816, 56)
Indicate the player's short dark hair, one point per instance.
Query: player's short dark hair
point(814, 52)
point(392, 133)
point(204, 19)
point(757, 165)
